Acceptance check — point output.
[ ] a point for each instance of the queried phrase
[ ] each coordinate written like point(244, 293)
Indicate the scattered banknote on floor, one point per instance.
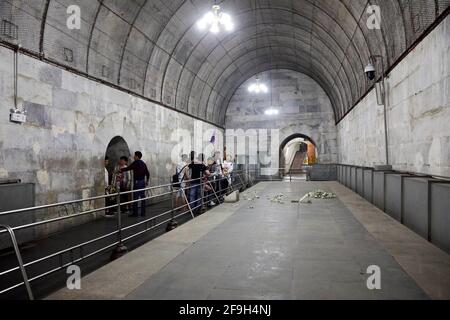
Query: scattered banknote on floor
point(317, 194)
point(279, 198)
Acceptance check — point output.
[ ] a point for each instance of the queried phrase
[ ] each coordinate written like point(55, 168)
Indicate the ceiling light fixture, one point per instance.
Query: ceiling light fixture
point(271, 112)
point(216, 19)
point(258, 87)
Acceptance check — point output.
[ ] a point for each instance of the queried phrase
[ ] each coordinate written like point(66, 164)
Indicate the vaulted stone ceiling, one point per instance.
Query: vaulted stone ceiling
point(154, 48)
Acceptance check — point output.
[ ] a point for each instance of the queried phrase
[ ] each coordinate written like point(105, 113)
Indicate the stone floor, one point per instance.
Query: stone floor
point(258, 249)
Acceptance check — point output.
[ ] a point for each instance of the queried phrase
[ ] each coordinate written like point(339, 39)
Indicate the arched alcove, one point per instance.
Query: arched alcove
point(117, 148)
point(296, 151)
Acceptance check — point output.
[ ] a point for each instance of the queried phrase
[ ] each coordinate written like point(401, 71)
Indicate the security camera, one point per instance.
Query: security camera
point(370, 71)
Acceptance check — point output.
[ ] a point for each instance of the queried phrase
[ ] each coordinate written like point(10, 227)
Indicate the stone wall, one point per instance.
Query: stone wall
point(303, 105)
point(418, 113)
point(71, 121)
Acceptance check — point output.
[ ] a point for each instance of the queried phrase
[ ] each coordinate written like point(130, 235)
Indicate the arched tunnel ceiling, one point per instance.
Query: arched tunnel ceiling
point(153, 47)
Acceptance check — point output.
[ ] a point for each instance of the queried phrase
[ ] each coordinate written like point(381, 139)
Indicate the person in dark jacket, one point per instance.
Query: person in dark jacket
point(198, 170)
point(141, 179)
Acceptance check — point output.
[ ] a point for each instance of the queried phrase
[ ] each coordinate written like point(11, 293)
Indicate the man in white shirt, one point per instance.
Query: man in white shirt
point(183, 176)
point(228, 166)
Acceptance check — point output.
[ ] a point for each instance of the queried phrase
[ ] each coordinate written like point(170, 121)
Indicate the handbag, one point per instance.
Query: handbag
point(176, 178)
point(111, 191)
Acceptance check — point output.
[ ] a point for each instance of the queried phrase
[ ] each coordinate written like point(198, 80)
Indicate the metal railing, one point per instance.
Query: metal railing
point(237, 180)
point(26, 282)
point(276, 174)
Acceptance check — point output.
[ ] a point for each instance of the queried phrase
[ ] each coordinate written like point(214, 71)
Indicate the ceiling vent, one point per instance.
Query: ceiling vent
point(10, 30)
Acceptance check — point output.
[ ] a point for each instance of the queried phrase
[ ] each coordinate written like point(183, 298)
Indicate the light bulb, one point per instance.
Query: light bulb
point(225, 19)
point(201, 24)
point(214, 28)
point(272, 112)
point(229, 27)
point(209, 17)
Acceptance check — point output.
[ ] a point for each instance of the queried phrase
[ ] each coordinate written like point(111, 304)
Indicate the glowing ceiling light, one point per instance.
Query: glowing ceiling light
point(271, 112)
point(258, 87)
point(215, 20)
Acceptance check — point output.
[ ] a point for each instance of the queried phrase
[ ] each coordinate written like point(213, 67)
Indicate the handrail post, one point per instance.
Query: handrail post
point(121, 249)
point(119, 215)
point(173, 194)
point(243, 186)
point(202, 194)
point(172, 223)
point(188, 204)
point(218, 182)
point(249, 177)
point(19, 260)
point(214, 191)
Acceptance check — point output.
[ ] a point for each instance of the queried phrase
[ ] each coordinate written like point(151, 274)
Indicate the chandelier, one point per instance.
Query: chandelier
point(258, 87)
point(216, 19)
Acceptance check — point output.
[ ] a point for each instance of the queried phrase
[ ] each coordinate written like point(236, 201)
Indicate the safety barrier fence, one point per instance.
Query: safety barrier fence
point(421, 202)
point(210, 190)
point(274, 174)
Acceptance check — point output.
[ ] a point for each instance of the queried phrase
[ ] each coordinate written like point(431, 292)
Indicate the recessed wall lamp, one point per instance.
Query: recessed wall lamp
point(215, 20)
point(272, 112)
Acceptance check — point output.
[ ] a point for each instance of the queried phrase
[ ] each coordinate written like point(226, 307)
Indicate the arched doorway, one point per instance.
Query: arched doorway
point(297, 151)
point(116, 149)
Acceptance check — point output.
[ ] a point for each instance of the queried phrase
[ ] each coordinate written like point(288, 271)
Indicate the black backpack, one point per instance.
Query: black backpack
point(176, 183)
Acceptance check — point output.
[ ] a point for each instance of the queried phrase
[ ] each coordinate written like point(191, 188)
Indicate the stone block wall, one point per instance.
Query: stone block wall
point(304, 108)
point(71, 121)
point(418, 113)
